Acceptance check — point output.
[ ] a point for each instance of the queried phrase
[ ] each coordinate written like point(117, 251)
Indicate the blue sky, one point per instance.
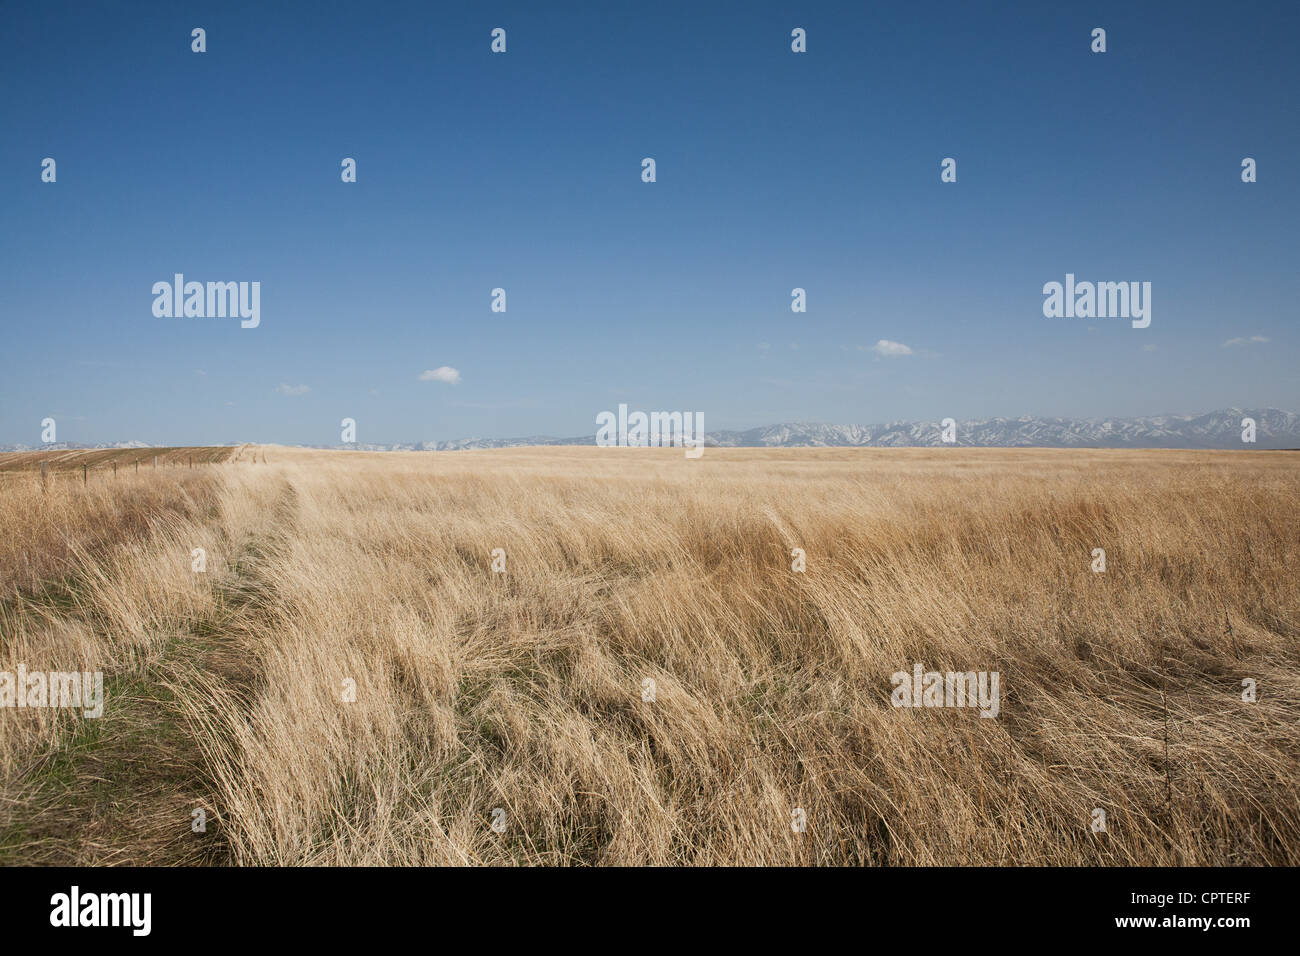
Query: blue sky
point(522, 170)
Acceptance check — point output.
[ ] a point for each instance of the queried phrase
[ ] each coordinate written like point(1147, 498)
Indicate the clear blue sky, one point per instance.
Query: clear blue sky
point(523, 171)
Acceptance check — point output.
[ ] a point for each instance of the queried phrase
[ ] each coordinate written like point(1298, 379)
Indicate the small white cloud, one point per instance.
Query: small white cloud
point(764, 346)
point(443, 373)
point(1148, 348)
point(293, 390)
point(890, 349)
point(199, 371)
point(1252, 340)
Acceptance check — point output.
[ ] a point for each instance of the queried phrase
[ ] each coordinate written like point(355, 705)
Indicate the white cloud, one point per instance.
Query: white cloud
point(1253, 340)
point(293, 389)
point(443, 373)
point(890, 349)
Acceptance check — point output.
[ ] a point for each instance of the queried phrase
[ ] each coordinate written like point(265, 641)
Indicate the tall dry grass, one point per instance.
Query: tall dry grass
point(477, 691)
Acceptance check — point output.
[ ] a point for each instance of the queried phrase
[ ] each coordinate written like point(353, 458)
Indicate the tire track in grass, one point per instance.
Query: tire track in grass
point(122, 789)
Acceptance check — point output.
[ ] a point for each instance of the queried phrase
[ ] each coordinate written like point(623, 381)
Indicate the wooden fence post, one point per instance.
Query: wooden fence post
point(83, 474)
point(44, 477)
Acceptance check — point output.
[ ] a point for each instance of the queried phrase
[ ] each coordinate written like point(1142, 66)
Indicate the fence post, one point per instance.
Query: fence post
point(155, 462)
point(83, 474)
point(44, 477)
point(114, 467)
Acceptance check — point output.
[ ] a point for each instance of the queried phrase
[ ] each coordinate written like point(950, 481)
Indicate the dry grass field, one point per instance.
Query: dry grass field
point(518, 697)
point(102, 460)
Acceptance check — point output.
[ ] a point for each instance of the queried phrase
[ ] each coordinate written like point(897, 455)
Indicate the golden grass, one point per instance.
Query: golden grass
point(101, 460)
point(523, 691)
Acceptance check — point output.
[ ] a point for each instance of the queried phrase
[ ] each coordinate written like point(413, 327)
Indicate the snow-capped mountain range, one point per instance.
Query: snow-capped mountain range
point(69, 445)
point(1220, 429)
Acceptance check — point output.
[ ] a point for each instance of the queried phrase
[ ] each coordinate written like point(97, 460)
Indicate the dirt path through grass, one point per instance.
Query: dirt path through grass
point(124, 788)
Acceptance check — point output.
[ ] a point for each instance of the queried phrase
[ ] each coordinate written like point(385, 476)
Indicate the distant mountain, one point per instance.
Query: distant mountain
point(1222, 429)
point(71, 445)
